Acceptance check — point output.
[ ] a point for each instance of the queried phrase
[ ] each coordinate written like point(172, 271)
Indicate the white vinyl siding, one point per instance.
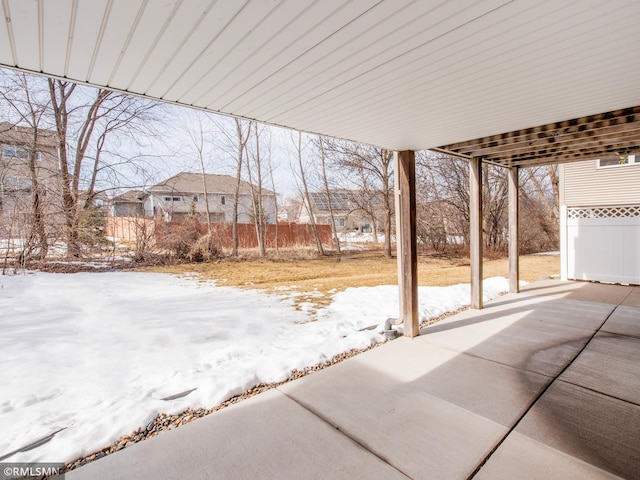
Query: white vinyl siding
point(584, 184)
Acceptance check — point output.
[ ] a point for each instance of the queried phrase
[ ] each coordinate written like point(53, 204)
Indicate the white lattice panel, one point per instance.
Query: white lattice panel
point(631, 211)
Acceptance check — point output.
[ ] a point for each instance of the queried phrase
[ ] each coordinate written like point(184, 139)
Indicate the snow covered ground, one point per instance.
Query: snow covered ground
point(95, 353)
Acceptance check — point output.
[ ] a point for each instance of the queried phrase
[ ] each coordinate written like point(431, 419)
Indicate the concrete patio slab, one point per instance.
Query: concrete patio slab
point(624, 321)
point(266, 437)
point(608, 365)
point(581, 291)
point(633, 299)
point(571, 313)
point(523, 458)
point(525, 343)
point(442, 373)
point(597, 429)
point(419, 434)
point(476, 396)
point(489, 389)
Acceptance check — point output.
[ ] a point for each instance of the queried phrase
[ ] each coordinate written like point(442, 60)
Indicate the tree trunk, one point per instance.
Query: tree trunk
point(260, 223)
point(334, 230)
point(256, 197)
point(242, 142)
point(64, 90)
point(275, 206)
point(312, 219)
point(386, 157)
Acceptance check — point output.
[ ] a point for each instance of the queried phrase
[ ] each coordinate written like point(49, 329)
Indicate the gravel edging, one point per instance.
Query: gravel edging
point(164, 422)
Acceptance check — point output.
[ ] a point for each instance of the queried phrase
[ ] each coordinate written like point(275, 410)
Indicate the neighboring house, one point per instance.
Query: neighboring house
point(20, 145)
point(100, 200)
point(182, 196)
point(289, 213)
point(600, 219)
point(128, 204)
point(346, 212)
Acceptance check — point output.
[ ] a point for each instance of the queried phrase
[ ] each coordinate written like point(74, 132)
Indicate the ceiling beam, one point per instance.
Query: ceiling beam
point(610, 133)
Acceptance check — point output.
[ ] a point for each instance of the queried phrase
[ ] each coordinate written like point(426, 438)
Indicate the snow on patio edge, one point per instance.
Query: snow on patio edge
point(95, 353)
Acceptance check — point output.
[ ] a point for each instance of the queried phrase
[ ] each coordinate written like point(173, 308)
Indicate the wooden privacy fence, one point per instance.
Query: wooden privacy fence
point(289, 234)
point(128, 229)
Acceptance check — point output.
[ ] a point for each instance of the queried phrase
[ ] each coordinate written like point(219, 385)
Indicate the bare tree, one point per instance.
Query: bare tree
point(495, 201)
point(443, 204)
point(242, 137)
point(327, 192)
point(299, 172)
point(82, 117)
point(196, 135)
point(256, 191)
point(21, 96)
point(369, 169)
point(275, 203)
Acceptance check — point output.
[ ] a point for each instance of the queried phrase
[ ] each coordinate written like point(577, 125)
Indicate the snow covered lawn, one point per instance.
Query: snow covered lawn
point(94, 354)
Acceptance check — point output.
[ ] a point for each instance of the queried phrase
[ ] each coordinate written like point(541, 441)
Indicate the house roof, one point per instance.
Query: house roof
point(11, 134)
point(340, 200)
point(400, 74)
point(291, 211)
point(130, 196)
point(186, 182)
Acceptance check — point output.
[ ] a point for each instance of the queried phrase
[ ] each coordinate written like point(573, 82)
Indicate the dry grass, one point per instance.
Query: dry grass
point(316, 280)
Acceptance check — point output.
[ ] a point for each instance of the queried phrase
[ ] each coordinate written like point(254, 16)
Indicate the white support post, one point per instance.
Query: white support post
point(564, 260)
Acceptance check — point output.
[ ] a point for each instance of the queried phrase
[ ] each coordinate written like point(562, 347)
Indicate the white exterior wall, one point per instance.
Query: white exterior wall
point(162, 206)
point(584, 184)
point(600, 222)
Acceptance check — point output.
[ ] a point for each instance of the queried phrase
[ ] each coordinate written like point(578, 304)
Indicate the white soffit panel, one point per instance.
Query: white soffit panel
point(6, 38)
point(151, 24)
point(392, 47)
point(401, 74)
point(188, 40)
point(24, 23)
point(55, 36)
point(87, 24)
point(256, 43)
point(292, 44)
point(115, 41)
point(331, 32)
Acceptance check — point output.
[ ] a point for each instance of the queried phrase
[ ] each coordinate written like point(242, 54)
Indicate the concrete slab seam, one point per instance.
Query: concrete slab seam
point(355, 441)
point(540, 395)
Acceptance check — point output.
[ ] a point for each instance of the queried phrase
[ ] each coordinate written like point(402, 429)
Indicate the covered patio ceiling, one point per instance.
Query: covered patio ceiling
point(400, 74)
point(614, 133)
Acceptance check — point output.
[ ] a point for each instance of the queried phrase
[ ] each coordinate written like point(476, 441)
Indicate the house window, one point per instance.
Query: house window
point(11, 151)
point(618, 161)
point(16, 185)
point(172, 199)
point(223, 200)
point(339, 222)
point(194, 198)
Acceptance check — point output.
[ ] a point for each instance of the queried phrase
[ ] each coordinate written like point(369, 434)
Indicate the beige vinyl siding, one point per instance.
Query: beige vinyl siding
point(584, 184)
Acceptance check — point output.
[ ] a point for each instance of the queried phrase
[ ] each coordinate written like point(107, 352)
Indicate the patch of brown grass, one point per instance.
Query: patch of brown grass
point(315, 280)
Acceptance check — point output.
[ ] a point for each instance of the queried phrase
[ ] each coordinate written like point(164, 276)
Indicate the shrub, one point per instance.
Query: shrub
point(186, 241)
point(203, 250)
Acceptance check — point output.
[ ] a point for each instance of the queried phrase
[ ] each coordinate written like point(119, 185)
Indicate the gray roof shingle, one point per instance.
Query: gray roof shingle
point(186, 182)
